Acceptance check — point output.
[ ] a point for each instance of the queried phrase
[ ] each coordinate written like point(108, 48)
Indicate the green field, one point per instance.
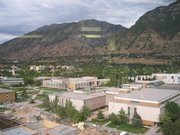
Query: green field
point(128, 128)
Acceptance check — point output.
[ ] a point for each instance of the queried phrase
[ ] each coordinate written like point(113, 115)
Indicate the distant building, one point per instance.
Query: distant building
point(55, 83)
point(11, 81)
point(132, 86)
point(6, 95)
point(74, 83)
point(37, 68)
point(148, 103)
point(94, 100)
point(168, 78)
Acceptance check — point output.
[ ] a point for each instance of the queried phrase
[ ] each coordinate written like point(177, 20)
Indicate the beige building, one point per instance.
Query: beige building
point(92, 100)
point(148, 103)
point(74, 83)
point(6, 95)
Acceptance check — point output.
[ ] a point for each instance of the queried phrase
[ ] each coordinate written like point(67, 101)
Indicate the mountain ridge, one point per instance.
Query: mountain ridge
point(157, 31)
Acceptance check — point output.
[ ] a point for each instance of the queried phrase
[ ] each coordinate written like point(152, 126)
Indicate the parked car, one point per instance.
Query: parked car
point(124, 133)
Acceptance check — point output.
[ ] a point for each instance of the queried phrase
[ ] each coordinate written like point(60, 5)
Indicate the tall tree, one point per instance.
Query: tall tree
point(137, 121)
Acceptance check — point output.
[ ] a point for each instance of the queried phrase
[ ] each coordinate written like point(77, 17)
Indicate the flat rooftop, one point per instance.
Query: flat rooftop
point(2, 90)
point(149, 94)
point(80, 96)
point(61, 130)
point(18, 131)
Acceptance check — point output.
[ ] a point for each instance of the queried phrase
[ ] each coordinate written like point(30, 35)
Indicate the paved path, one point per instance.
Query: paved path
point(152, 131)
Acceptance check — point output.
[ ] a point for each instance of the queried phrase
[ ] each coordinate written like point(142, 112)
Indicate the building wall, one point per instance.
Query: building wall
point(168, 78)
point(7, 97)
point(96, 103)
point(72, 86)
point(147, 113)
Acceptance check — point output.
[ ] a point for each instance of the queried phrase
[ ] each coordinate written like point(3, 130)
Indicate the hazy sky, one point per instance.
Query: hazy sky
point(21, 16)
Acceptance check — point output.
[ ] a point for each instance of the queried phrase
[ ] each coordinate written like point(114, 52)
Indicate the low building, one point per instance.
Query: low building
point(19, 130)
point(168, 78)
point(45, 127)
point(148, 103)
point(6, 95)
point(132, 86)
point(55, 83)
point(93, 100)
point(112, 91)
point(74, 83)
point(11, 81)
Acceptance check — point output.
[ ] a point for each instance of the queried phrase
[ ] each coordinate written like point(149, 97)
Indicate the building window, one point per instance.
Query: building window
point(135, 110)
point(128, 110)
point(172, 77)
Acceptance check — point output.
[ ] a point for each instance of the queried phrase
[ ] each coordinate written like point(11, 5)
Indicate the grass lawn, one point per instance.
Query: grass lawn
point(128, 128)
point(50, 90)
point(99, 121)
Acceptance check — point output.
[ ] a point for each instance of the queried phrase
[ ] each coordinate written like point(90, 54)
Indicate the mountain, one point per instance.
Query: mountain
point(82, 38)
point(158, 31)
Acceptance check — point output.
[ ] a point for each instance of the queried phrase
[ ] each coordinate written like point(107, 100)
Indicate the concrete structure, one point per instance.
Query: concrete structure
point(6, 95)
point(19, 130)
point(148, 103)
point(11, 81)
point(93, 100)
point(168, 78)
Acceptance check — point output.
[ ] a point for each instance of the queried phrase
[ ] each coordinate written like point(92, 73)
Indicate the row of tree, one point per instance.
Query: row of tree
point(123, 118)
point(68, 111)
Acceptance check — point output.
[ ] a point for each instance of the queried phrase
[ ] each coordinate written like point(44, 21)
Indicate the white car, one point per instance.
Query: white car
point(124, 133)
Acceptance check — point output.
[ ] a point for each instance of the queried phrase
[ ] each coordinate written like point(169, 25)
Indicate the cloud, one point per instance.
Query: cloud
point(21, 16)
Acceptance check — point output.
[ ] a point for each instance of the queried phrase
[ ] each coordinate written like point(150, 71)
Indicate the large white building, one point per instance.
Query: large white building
point(173, 78)
point(148, 103)
point(93, 100)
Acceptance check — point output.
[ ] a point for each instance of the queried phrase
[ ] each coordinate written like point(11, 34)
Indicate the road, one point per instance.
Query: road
point(152, 131)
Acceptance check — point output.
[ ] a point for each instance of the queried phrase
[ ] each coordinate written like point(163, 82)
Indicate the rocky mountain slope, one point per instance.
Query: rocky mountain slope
point(83, 38)
point(158, 31)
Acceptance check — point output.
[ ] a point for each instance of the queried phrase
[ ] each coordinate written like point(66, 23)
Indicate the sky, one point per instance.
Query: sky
point(18, 17)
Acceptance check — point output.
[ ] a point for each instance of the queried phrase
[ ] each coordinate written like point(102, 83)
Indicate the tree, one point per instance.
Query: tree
point(69, 109)
point(54, 105)
point(60, 111)
point(172, 109)
point(100, 115)
point(170, 119)
point(85, 112)
point(113, 118)
point(137, 121)
point(46, 103)
point(24, 94)
point(122, 117)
